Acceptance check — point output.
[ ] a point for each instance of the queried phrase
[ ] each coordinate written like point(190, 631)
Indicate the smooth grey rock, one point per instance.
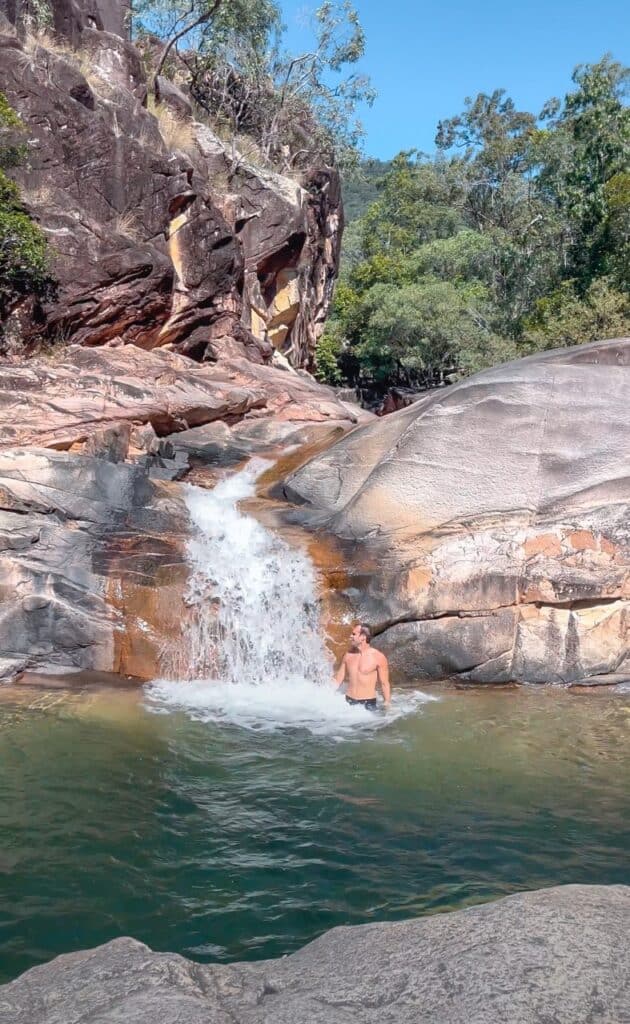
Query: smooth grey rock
point(554, 956)
point(509, 490)
point(172, 96)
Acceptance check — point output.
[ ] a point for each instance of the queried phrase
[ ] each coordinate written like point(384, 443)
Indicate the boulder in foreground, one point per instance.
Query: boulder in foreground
point(555, 955)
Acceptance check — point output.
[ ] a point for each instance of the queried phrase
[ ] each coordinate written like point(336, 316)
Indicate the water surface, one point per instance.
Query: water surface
point(225, 841)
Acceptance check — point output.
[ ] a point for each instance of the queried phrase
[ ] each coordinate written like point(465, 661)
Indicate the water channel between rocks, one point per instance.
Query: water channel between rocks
point(242, 813)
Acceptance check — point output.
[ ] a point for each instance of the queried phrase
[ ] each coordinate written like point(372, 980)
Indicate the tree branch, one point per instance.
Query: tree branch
point(201, 20)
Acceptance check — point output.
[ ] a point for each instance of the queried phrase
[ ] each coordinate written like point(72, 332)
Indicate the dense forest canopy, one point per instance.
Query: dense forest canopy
point(362, 187)
point(515, 237)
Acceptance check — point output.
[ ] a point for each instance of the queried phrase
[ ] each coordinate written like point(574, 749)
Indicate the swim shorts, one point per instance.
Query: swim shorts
point(369, 704)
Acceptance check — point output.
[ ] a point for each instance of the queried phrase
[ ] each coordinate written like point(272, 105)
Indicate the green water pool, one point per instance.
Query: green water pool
point(223, 843)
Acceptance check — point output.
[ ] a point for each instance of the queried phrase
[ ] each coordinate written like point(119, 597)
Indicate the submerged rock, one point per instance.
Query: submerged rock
point(556, 955)
point(496, 513)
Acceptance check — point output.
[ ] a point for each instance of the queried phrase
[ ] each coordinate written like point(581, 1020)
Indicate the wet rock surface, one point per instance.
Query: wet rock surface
point(92, 543)
point(181, 269)
point(556, 955)
point(497, 511)
point(91, 562)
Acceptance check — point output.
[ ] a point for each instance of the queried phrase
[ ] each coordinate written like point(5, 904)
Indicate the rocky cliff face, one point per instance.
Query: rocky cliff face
point(181, 269)
point(71, 17)
point(92, 531)
point(492, 517)
point(159, 236)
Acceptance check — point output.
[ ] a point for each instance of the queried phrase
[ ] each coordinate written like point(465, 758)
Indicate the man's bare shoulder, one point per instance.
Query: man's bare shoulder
point(380, 657)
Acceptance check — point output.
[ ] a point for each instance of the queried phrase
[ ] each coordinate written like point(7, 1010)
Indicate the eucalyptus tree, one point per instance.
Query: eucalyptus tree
point(293, 106)
point(585, 169)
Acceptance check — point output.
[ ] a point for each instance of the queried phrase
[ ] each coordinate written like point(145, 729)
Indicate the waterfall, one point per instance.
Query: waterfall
point(255, 615)
point(252, 651)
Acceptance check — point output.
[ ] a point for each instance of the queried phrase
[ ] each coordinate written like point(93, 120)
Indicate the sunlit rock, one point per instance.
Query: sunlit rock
point(556, 955)
point(497, 510)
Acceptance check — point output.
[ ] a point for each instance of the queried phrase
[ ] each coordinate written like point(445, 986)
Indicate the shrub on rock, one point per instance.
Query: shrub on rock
point(23, 248)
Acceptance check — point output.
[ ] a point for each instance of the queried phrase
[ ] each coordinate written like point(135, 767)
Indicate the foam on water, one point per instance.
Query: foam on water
point(298, 705)
point(252, 652)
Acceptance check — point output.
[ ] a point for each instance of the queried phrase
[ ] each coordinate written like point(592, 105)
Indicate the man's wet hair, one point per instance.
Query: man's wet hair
point(365, 631)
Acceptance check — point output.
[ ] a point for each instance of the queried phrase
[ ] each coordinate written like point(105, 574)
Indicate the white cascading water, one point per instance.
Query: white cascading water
point(252, 653)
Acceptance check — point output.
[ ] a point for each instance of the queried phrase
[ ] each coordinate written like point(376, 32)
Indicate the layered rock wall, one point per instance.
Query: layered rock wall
point(92, 532)
point(159, 234)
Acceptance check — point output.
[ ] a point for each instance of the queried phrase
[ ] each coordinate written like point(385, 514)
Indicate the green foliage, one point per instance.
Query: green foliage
point(514, 238)
point(419, 201)
point(325, 83)
point(565, 318)
point(12, 148)
point(414, 333)
point(204, 24)
point(23, 256)
point(361, 187)
point(37, 14)
point(617, 226)
point(296, 107)
point(586, 147)
point(328, 354)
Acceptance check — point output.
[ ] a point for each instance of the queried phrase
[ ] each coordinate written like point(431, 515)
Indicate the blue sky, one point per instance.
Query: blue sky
point(424, 58)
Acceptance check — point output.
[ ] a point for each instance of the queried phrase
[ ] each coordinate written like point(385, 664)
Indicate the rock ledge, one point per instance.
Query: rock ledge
point(553, 956)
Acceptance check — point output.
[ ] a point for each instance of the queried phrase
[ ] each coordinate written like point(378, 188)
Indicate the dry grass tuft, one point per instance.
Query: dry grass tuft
point(43, 195)
point(176, 132)
point(44, 39)
point(127, 225)
point(39, 44)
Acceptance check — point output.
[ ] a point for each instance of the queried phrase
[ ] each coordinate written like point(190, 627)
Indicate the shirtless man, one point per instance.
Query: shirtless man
point(364, 667)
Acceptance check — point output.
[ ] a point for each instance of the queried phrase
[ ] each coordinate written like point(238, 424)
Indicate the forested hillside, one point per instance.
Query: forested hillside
point(514, 238)
point(362, 187)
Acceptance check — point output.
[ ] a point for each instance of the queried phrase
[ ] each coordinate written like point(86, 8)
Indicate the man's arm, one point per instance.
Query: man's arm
point(340, 674)
point(382, 669)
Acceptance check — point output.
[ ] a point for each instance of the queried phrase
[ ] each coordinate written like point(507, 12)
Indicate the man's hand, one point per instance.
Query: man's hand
point(382, 669)
point(340, 674)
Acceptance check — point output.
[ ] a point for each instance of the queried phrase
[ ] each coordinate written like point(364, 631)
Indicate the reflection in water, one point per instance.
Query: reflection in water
point(226, 843)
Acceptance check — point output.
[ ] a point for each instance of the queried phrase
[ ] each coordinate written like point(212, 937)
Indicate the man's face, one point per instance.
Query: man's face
point(356, 639)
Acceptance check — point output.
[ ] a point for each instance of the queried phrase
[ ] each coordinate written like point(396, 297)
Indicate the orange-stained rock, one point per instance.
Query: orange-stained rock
point(156, 240)
point(582, 540)
point(91, 562)
point(546, 544)
point(418, 579)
